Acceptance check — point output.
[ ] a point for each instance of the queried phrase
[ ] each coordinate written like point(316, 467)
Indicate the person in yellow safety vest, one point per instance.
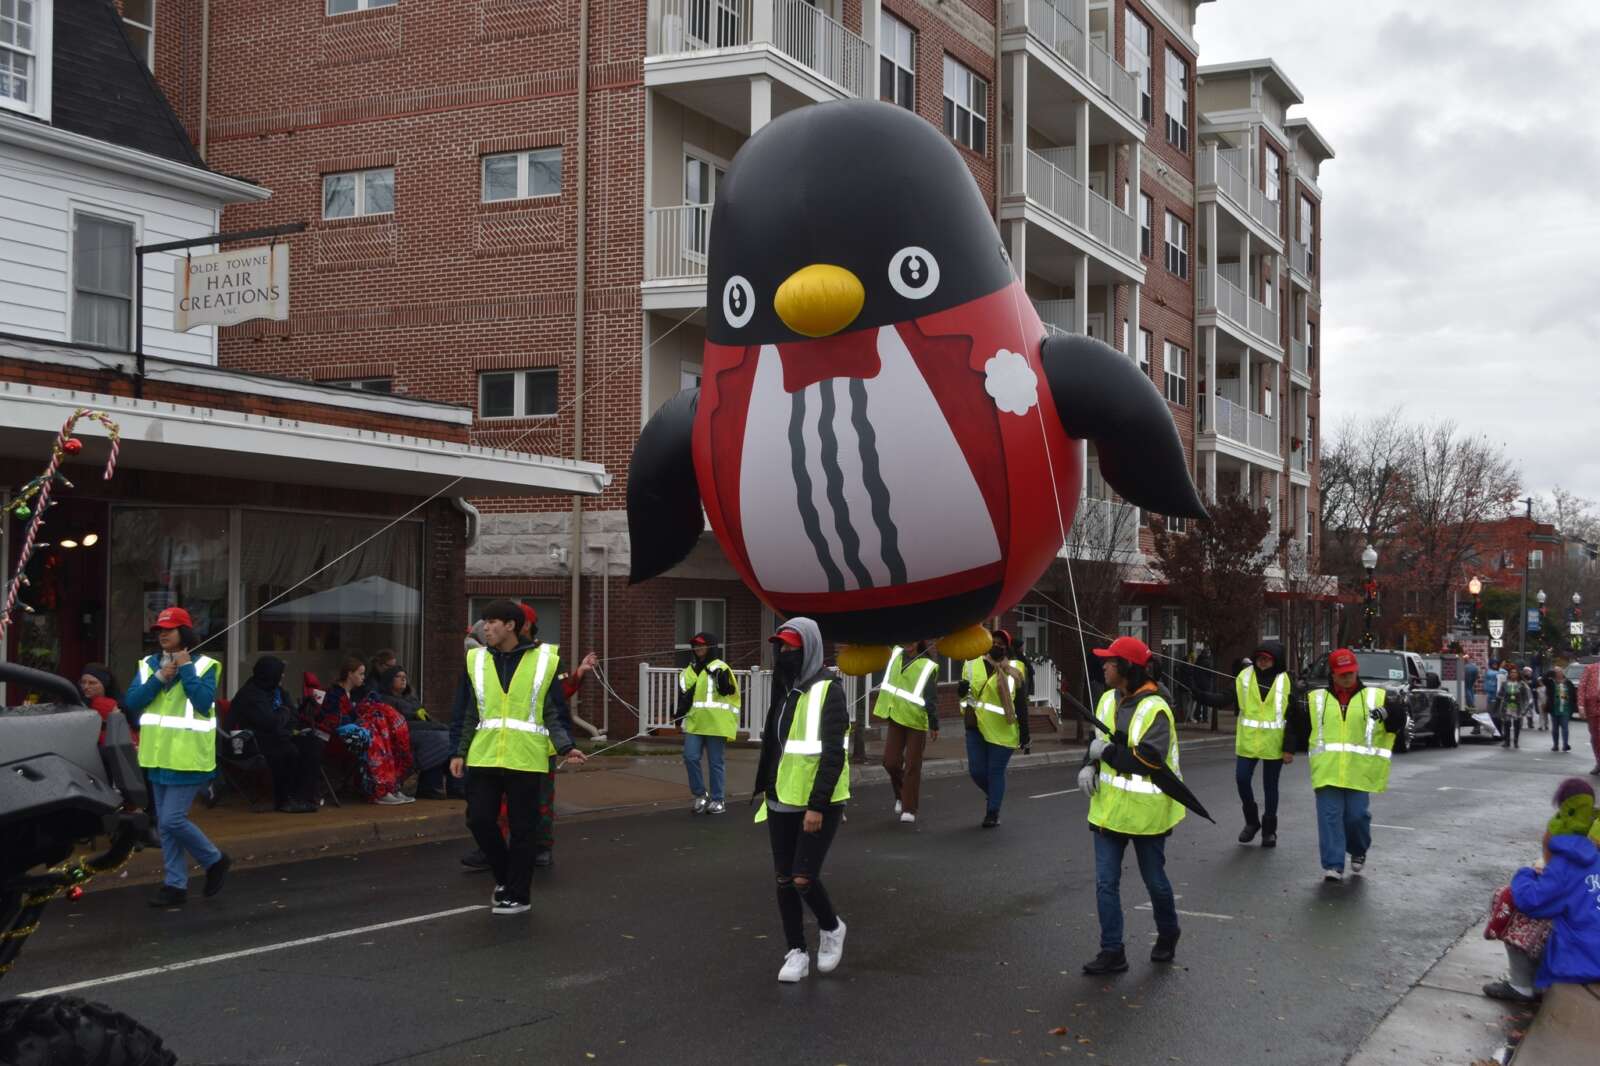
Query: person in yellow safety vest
point(803, 778)
point(509, 703)
point(177, 691)
point(1350, 733)
point(1124, 803)
point(1261, 694)
point(995, 713)
point(908, 701)
point(708, 706)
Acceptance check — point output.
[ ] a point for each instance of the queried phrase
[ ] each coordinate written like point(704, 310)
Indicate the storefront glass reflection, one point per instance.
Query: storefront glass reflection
point(164, 556)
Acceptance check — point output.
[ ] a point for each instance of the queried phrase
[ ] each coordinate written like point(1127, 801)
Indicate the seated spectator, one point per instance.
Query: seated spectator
point(100, 694)
point(430, 740)
point(294, 757)
point(380, 663)
point(374, 733)
point(1562, 894)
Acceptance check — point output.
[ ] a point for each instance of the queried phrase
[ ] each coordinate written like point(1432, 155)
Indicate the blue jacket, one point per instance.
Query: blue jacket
point(201, 692)
point(1569, 892)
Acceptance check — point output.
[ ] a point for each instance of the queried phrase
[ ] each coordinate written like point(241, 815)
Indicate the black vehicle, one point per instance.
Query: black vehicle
point(61, 786)
point(1432, 713)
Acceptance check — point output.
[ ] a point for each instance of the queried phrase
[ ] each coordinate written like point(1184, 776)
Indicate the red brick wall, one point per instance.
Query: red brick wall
point(935, 38)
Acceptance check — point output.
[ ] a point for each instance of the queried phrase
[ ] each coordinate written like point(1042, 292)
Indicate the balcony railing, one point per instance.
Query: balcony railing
point(1300, 260)
point(1244, 426)
point(1297, 459)
point(1299, 357)
point(1058, 316)
point(1103, 529)
point(675, 241)
point(1053, 29)
point(1228, 299)
point(1064, 196)
point(1226, 168)
point(793, 27)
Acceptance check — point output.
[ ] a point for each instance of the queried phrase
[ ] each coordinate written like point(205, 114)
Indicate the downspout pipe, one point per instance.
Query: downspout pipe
point(474, 519)
point(205, 68)
point(575, 552)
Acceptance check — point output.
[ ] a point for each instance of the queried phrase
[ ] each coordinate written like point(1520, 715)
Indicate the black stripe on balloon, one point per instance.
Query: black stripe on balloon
point(802, 484)
point(872, 478)
point(848, 539)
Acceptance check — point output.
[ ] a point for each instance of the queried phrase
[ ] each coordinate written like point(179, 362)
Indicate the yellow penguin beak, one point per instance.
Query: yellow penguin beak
point(819, 300)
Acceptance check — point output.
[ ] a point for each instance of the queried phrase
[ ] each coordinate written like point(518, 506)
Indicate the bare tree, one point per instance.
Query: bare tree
point(1217, 572)
point(1575, 517)
point(1365, 473)
point(1305, 591)
point(1101, 545)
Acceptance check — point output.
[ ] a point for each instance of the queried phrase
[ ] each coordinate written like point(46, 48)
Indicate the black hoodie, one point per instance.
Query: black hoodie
point(261, 705)
point(786, 693)
point(1227, 698)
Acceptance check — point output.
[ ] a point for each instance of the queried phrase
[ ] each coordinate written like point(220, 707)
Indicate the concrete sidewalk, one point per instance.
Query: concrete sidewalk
point(1566, 1029)
point(608, 786)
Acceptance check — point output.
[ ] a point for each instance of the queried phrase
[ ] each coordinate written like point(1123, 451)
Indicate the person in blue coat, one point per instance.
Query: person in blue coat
point(1566, 891)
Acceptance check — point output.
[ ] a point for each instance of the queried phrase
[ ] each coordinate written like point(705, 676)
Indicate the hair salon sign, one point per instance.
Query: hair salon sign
point(232, 287)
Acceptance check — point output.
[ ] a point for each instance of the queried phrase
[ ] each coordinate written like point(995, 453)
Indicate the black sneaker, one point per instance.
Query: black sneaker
point(991, 820)
point(167, 896)
point(1166, 948)
point(509, 905)
point(1502, 989)
point(1107, 962)
point(216, 873)
point(544, 857)
point(475, 860)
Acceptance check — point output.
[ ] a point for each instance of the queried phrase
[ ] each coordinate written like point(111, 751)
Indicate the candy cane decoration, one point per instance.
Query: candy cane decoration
point(39, 489)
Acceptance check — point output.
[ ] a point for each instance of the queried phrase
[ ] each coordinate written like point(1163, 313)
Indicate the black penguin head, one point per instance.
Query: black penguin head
point(846, 216)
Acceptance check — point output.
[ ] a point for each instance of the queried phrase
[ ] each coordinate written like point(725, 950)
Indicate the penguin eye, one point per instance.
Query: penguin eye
point(738, 301)
point(914, 273)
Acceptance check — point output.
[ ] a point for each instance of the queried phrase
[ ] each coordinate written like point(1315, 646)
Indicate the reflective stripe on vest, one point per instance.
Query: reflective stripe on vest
point(1249, 695)
point(913, 695)
point(802, 753)
point(808, 722)
point(708, 698)
point(1350, 761)
point(1132, 803)
point(511, 733)
point(187, 719)
point(541, 668)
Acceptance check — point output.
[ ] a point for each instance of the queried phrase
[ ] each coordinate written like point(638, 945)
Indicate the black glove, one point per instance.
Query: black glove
point(1378, 714)
point(964, 689)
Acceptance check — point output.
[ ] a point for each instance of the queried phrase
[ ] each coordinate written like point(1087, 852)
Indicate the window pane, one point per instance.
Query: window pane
point(102, 256)
point(980, 133)
point(683, 621)
point(499, 177)
point(160, 557)
point(379, 192)
point(137, 10)
point(497, 395)
point(338, 196)
point(544, 172)
point(140, 39)
point(907, 90)
point(541, 396)
point(712, 618)
point(949, 118)
point(103, 320)
point(886, 80)
point(339, 7)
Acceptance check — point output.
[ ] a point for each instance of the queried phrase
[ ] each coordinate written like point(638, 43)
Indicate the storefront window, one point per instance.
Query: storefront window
point(163, 557)
point(365, 595)
point(64, 626)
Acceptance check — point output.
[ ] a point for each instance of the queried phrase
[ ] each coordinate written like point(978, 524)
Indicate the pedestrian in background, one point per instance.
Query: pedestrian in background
point(1472, 684)
point(1260, 694)
point(293, 759)
point(996, 720)
point(803, 778)
point(1491, 682)
point(1125, 806)
point(1536, 695)
point(177, 692)
point(1561, 701)
point(1589, 707)
point(708, 706)
point(1511, 701)
point(908, 701)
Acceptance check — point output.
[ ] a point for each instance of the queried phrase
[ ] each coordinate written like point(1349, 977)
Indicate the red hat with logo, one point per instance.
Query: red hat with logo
point(1342, 661)
point(529, 615)
point(1132, 649)
point(787, 637)
point(172, 618)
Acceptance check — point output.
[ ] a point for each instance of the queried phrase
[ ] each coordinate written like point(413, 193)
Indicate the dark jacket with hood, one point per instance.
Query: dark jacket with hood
point(723, 679)
point(464, 715)
point(407, 703)
point(780, 716)
point(261, 705)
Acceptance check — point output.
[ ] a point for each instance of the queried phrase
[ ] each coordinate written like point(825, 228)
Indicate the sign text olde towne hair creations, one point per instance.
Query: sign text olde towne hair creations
point(232, 287)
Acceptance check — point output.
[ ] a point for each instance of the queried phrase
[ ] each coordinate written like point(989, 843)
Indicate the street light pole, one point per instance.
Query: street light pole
point(1369, 559)
point(1475, 586)
point(1522, 616)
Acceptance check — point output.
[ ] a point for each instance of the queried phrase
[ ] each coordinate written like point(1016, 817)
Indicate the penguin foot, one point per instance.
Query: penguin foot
point(969, 643)
point(858, 660)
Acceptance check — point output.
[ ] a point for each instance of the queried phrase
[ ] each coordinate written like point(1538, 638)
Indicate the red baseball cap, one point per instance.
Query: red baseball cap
point(1130, 648)
point(699, 641)
point(1342, 661)
point(172, 618)
point(787, 636)
point(530, 616)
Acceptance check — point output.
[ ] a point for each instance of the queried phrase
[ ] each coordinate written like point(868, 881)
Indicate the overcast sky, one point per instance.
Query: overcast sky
point(1461, 222)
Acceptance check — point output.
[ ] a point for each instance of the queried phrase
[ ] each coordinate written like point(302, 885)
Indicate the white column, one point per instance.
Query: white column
point(1080, 158)
point(1211, 476)
point(1080, 294)
point(1210, 217)
point(1133, 321)
point(1210, 340)
point(760, 98)
point(1017, 232)
point(1019, 122)
point(1135, 166)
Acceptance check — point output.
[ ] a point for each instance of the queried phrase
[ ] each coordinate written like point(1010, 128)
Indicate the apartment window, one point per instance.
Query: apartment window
point(717, 23)
point(521, 175)
point(1176, 526)
point(518, 394)
point(1176, 366)
point(344, 7)
point(1145, 340)
point(1271, 624)
point(1311, 347)
point(102, 280)
point(966, 107)
point(1177, 245)
point(1308, 233)
point(1133, 621)
point(358, 193)
point(1174, 633)
point(138, 22)
point(1274, 167)
point(24, 40)
point(1311, 438)
point(384, 385)
point(1177, 101)
point(697, 616)
point(897, 66)
point(1536, 559)
point(1138, 56)
point(1146, 237)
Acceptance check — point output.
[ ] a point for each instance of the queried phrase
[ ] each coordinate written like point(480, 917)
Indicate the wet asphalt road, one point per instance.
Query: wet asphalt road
point(655, 938)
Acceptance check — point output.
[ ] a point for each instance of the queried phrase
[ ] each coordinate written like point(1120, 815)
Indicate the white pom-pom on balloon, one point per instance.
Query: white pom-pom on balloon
point(1011, 381)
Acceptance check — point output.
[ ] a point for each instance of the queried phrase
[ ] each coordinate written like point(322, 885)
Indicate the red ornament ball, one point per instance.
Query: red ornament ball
point(72, 446)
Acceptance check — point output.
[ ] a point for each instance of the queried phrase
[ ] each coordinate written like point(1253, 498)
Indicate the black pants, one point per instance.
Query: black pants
point(1511, 730)
point(294, 762)
point(796, 853)
point(511, 861)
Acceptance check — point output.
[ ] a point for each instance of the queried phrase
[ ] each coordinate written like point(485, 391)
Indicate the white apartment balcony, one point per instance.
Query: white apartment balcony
point(1239, 424)
point(675, 242)
point(1222, 173)
point(1224, 296)
point(1050, 35)
point(1300, 361)
point(1103, 530)
point(1297, 460)
point(1300, 266)
point(1076, 214)
point(1057, 316)
point(706, 54)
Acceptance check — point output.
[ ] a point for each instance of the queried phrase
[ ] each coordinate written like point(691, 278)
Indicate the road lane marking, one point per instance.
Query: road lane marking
point(172, 967)
point(1402, 828)
point(1191, 914)
point(1458, 788)
point(1047, 795)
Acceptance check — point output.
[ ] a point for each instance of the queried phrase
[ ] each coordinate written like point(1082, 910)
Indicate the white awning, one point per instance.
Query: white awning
point(181, 439)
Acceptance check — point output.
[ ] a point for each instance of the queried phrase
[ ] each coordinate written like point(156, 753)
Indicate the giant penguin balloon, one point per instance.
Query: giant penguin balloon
point(884, 439)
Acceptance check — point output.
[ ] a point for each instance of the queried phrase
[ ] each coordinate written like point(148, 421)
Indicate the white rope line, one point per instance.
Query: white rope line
point(1092, 630)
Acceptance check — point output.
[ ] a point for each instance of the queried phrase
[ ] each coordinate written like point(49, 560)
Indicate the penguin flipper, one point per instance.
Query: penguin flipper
point(1102, 396)
point(664, 515)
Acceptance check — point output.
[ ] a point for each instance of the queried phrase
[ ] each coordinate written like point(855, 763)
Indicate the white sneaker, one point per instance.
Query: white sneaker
point(699, 805)
point(1357, 863)
point(392, 799)
point(897, 807)
point(796, 966)
point(830, 949)
point(1333, 875)
point(716, 807)
point(907, 816)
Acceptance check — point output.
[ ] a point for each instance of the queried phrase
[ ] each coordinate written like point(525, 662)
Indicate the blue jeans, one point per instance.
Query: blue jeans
point(693, 744)
point(1244, 773)
point(1560, 737)
point(1343, 824)
point(178, 834)
point(1151, 853)
point(987, 764)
